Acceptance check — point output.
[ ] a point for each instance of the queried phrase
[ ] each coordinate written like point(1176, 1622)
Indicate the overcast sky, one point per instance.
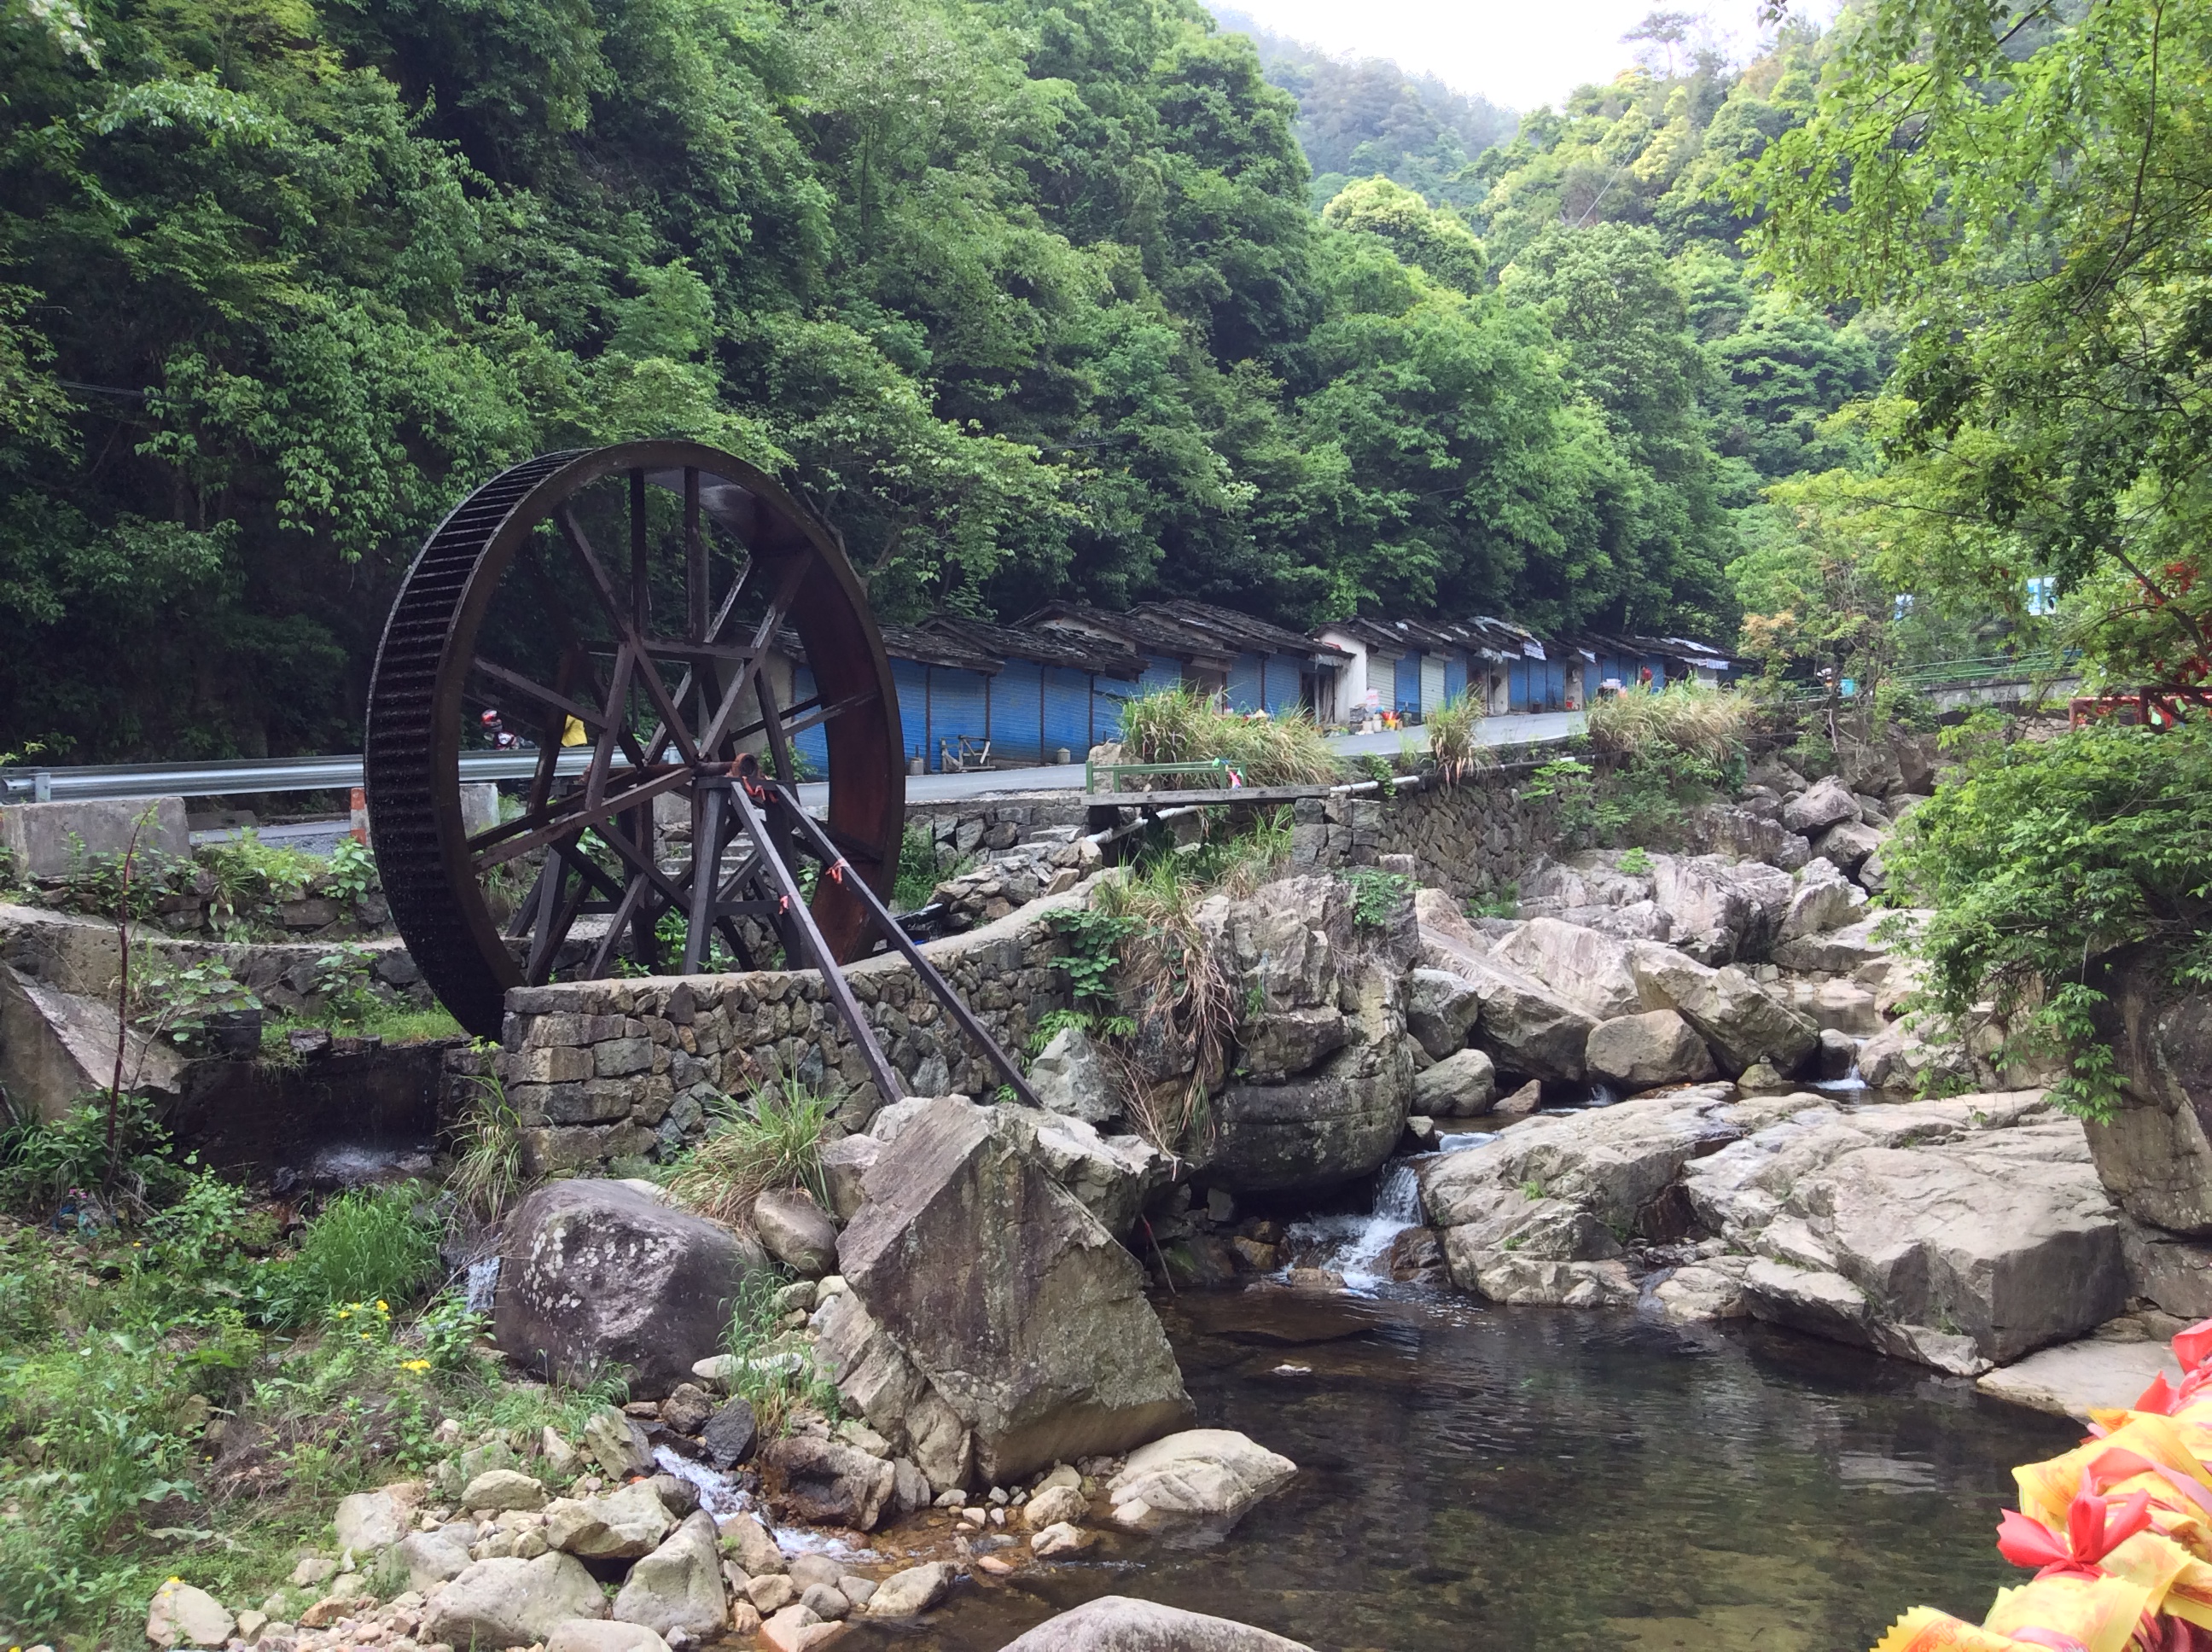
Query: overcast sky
point(1516, 52)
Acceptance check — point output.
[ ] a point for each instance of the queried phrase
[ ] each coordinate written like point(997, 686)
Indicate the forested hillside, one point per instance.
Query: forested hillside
point(1367, 115)
point(1031, 296)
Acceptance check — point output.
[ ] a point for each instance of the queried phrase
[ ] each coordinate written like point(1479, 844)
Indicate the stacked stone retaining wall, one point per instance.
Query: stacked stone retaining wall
point(605, 1071)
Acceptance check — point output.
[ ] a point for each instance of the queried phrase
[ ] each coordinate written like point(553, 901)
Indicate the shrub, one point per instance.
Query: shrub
point(42, 1165)
point(373, 1245)
point(918, 876)
point(772, 1376)
point(772, 1139)
point(2045, 859)
point(343, 977)
point(1180, 725)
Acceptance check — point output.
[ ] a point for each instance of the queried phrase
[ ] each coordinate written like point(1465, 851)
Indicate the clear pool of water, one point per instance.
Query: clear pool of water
point(1474, 1479)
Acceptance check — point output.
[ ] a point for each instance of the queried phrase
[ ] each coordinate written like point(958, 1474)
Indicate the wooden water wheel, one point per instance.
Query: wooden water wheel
point(617, 613)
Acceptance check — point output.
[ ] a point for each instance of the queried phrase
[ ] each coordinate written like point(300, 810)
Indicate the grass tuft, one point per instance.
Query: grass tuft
point(1455, 744)
point(772, 1139)
point(1690, 718)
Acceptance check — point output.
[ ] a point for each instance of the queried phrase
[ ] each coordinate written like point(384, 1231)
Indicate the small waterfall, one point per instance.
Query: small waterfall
point(1459, 1141)
point(483, 1285)
point(1356, 1245)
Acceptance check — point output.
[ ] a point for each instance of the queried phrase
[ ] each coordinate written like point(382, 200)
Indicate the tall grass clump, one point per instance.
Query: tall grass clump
point(771, 1138)
point(1181, 726)
point(1692, 719)
point(374, 1245)
point(1168, 981)
point(1456, 745)
point(487, 1149)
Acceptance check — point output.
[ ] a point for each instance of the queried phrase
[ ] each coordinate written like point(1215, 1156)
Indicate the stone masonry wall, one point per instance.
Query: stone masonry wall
point(609, 1070)
point(606, 1070)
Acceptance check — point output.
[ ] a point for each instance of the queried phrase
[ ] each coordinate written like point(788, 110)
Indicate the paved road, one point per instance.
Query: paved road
point(1068, 777)
point(318, 837)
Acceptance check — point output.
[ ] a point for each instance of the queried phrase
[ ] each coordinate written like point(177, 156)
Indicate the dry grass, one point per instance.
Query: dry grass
point(1690, 718)
point(1455, 744)
point(1170, 981)
point(1180, 725)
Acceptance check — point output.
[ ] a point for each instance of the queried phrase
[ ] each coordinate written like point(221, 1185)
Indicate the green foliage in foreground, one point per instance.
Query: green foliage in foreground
point(2044, 859)
point(180, 1394)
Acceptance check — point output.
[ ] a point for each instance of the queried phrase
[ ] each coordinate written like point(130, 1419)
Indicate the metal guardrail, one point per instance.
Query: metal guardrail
point(244, 776)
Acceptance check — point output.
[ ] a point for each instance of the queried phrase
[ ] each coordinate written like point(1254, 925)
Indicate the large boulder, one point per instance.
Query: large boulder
point(1847, 844)
point(1751, 831)
point(1820, 805)
point(1823, 900)
point(625, 1524)
point(1441, 1010)
point(1527, 1029)
point(678, 1585)
point(1115, 1623)
point(1282, 948)
point(1334, 1127)
point(797, 1231)
point(1739, 1021)
point(1843, 951)
point(1590, 970)
point(1463, 1085)
point(1068, 1076)
point(596, 1277)
point(507, 1602)
point(1719, 910)
point(181, 1615)
point(2154, 1152)
point(1110, 1174)
point(1640, 1052)
point(1202, 1480)
point(1010, 1297)
point(831, 1483)
point(1961, 1233)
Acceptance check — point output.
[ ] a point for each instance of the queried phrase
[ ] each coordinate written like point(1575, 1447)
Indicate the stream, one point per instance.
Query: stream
point(1474, 1477)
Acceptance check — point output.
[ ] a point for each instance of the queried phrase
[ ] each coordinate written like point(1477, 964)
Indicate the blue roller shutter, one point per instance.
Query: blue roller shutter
point(1017, 695)
point(1408, 702)
point(912, 678)
point(1106, 708)
point(1244, 682)
point(1067, 712)
point(812, 744)
point(1159, 673)
point(956, 709)
point(1455, 676)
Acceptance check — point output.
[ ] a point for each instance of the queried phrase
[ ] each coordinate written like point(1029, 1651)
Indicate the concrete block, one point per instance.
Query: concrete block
point(52, 840)
point(479, 808)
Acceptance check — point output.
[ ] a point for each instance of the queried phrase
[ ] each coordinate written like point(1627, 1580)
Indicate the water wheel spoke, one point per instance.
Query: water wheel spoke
point(603, 954)
point(590, 717)
point(572, 813)
point(633, 652)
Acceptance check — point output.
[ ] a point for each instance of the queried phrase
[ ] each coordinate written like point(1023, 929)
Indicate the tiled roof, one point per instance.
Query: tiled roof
point(1070, 649)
